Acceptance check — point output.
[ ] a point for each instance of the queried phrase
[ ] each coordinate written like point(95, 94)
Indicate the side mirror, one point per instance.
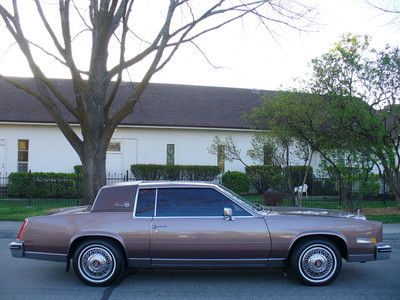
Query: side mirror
point(228, 214)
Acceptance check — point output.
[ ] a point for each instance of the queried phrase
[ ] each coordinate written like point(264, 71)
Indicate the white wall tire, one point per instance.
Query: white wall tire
point(98, 262)
point(316, 262)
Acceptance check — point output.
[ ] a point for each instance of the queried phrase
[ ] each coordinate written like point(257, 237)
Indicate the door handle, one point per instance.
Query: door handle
point(155, 227)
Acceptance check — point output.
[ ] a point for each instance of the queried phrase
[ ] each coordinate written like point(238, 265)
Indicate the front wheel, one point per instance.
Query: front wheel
point(98, 262)
point(316, 262)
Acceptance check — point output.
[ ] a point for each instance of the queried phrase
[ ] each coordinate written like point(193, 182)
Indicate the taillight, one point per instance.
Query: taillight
point(21, 230)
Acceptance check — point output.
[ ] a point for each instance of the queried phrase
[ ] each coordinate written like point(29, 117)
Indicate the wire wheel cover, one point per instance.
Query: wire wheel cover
point(96, 263)
point(317, 263)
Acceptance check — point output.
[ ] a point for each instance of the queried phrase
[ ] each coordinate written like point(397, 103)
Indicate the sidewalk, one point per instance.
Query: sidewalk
point(9, 230)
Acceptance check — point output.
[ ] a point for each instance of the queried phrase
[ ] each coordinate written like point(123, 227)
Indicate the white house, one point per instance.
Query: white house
point(174, 123)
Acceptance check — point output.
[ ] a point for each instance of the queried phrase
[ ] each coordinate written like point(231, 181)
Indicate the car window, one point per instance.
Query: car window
point(188, 202)
point(145, 203)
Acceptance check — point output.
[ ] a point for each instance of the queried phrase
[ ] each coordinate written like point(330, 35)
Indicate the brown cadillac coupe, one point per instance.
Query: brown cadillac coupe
point(188, 225)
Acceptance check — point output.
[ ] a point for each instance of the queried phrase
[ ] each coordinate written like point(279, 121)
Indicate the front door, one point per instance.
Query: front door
point(189, 229)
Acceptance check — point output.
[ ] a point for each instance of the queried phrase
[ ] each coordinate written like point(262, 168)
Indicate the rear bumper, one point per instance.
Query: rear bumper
point(17, 249)
point(382, 252)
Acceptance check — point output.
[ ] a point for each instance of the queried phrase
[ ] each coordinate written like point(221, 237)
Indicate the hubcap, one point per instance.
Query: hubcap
point(96, 263)
point(317, 263)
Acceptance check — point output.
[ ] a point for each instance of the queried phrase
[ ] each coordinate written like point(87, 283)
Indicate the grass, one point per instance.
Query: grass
point(385, 218)
point(19, 210)
point(327, 203)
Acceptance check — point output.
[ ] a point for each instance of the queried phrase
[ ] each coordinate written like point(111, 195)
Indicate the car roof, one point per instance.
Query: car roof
point(162, 183)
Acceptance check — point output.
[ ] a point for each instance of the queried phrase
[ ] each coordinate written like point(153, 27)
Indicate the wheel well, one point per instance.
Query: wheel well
point(81, 239)
point(338, 241)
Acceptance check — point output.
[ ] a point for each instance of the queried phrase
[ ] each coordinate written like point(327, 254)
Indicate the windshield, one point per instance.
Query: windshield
point(241, 200)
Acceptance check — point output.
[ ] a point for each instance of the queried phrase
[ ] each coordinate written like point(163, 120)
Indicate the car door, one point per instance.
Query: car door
point(189, 229)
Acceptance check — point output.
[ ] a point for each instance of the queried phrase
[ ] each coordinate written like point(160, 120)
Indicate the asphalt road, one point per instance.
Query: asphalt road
point(34, 279)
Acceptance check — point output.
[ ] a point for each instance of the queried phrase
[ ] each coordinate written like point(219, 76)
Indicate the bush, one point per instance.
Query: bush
point(175, 172)
point(78, 169)
point(263, 178)
point(44, 185)
point(236, 181)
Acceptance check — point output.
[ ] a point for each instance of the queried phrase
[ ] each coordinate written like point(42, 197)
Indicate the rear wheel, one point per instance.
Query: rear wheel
point(98, 262)
point(316, 262)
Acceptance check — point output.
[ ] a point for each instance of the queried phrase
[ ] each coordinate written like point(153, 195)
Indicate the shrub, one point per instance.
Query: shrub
point(78, 169)
point(175, 172)
point(236, 181)
point(263, 178)
point(44, 185)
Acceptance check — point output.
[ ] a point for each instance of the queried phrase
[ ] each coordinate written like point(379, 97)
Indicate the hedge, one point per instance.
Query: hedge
point(45, 185)
point(263, 178)
point(236, 181)
point(175, 172)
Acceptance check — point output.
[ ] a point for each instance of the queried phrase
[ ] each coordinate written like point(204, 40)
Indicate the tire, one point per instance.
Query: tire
point(98, 262)
point(316, 262)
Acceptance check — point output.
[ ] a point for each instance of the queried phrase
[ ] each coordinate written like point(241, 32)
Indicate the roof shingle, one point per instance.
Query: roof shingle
point(160, 105)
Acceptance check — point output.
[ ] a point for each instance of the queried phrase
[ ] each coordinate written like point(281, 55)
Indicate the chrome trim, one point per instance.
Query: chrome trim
point(155, 203)
point(60, 257)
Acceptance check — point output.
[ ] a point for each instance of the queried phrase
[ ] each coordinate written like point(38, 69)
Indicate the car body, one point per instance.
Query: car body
point(191, 224)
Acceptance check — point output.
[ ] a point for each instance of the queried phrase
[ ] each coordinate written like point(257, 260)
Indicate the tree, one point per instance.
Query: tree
point(350, 106)
point(363, 84)
point(106, 24)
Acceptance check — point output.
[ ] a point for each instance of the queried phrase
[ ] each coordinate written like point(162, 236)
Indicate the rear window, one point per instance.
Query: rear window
point(115, 199)
point(145, 203)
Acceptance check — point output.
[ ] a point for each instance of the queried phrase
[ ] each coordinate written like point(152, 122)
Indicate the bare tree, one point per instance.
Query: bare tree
point(96, 87)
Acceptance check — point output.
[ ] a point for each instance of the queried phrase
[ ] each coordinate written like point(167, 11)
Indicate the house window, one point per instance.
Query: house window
point(23, 148)
point(114, 147)
point(221, 157)
point(170, 154)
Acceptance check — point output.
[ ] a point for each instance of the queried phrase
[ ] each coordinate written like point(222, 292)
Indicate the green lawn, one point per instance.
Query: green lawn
point(19, 210)
point(327, 203)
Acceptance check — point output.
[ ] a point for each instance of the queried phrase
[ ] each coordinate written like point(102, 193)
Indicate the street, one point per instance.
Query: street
point(34, 279)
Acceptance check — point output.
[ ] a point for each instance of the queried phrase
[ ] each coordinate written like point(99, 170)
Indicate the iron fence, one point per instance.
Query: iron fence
point(68, 190)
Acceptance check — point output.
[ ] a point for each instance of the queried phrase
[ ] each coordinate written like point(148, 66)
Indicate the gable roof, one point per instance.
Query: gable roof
point(169, 105)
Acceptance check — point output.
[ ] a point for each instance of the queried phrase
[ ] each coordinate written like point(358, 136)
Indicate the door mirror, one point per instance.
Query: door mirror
point(228, 214)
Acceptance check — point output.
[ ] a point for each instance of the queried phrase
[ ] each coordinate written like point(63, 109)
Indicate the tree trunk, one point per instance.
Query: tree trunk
point(394, 187)
point(94, 168)
point(305, 178)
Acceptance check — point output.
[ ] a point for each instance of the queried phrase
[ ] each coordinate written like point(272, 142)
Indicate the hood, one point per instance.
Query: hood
point(305, 211)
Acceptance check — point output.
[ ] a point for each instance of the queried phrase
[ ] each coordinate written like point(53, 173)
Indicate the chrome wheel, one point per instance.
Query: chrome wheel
point(96, 263)
point(317, 263)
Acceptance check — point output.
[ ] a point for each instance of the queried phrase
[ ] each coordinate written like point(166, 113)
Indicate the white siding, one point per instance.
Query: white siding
point(49, 151)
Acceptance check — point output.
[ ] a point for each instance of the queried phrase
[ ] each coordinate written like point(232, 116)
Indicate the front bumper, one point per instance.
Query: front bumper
point(17, 249)
point(382, 251)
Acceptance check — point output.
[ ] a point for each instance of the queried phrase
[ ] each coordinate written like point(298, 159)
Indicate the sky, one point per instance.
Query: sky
point(247, 55)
